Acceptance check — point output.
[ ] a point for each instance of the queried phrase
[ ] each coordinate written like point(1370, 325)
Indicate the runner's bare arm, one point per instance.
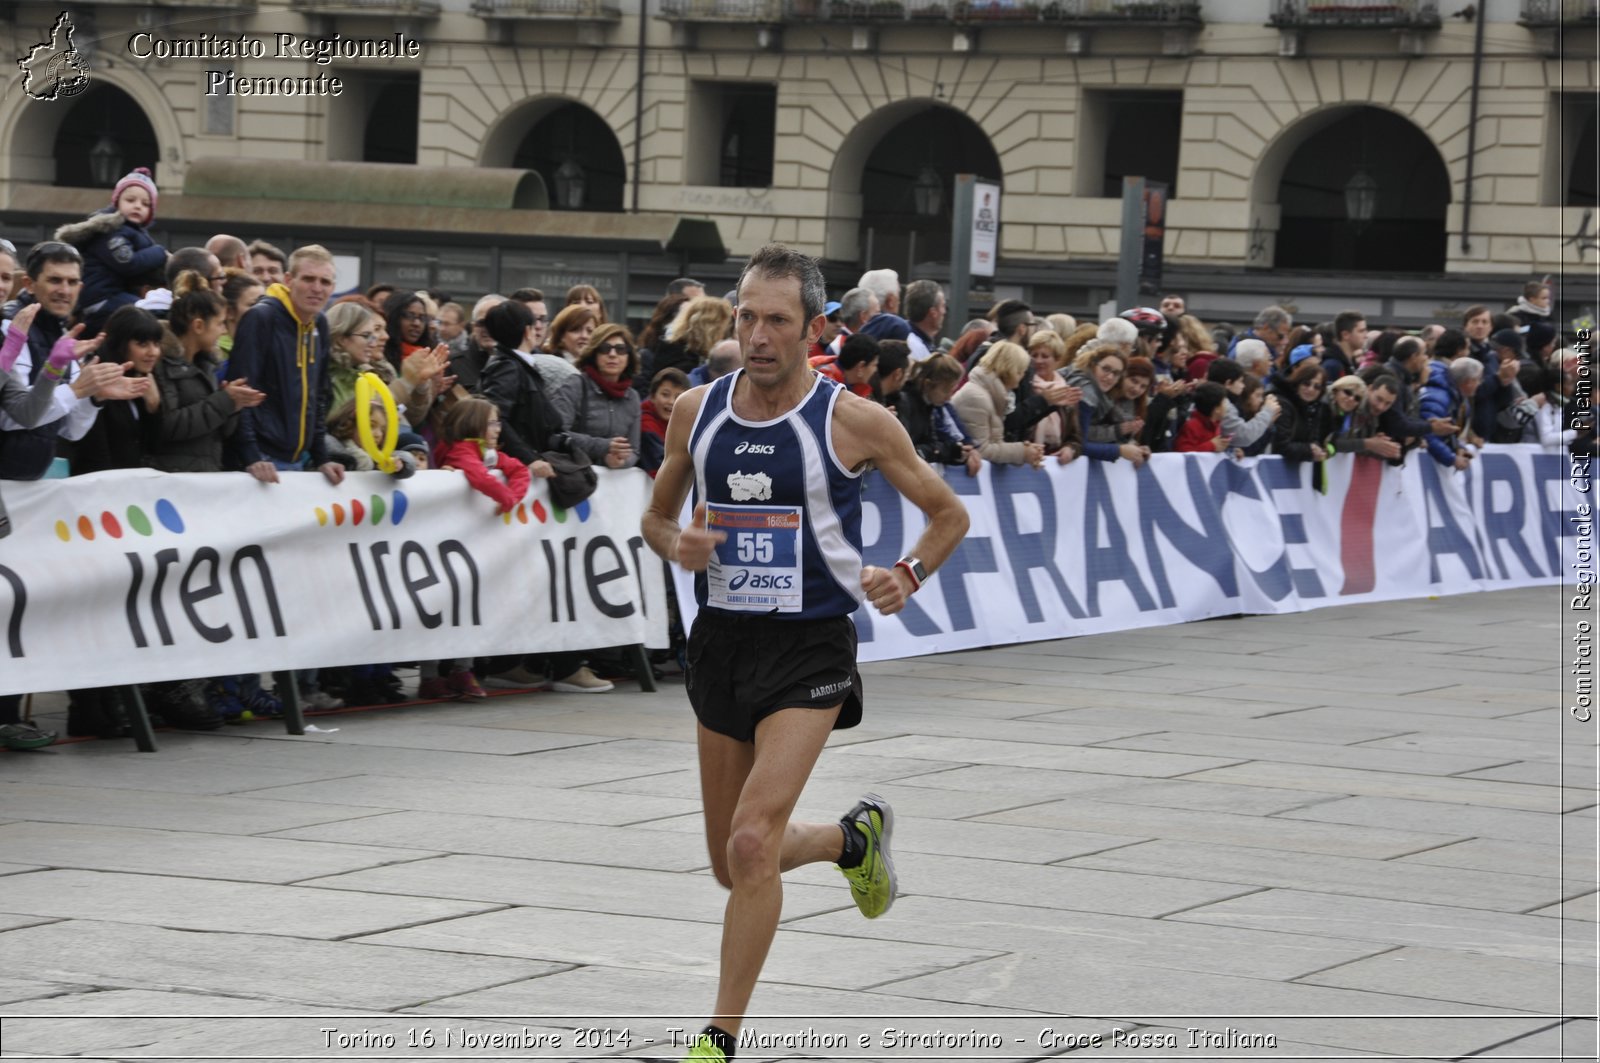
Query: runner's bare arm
point(865, 431)
point(673, 479)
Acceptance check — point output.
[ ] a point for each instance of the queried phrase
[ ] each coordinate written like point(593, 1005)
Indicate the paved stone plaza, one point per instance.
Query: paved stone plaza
point(1361, 832)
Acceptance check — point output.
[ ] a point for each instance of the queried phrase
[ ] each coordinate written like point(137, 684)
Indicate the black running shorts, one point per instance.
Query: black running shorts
point(744, 668)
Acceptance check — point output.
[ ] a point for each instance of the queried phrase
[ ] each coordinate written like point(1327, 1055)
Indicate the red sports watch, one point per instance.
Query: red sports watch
point(912, 567)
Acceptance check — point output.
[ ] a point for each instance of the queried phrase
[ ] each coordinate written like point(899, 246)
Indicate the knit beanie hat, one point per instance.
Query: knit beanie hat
point(142, 177)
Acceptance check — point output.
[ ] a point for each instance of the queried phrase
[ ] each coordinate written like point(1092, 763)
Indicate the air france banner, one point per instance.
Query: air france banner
point(133, 576)
point(1092, 547)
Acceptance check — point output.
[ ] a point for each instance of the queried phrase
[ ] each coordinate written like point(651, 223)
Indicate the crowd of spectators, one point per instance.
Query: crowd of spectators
point(238, 356)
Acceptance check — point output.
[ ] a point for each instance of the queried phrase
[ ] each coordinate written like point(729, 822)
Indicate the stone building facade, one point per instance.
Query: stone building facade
point(1046, 91)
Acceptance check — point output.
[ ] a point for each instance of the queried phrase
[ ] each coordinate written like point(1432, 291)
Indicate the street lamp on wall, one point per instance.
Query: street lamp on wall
point(927, 192)
point(1361, 198)
point(569, 181)
point(105, 160)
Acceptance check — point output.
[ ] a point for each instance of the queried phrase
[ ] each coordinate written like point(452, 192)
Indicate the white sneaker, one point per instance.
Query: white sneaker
point(319, 699)
point(518, 678)
point(582, 681)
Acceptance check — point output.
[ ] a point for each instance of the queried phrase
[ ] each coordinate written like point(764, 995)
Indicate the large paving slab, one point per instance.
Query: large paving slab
point(1403, 923)
point(1096, 937)
point(204, 904)
point(1224, 828)
point(330, 973)
point(660, 944)
point(575, 887)
point(1366, 1021)
point(1475, 789)
point(1509, 824)
point(1495, 891)
point(1468, 978)
point(466, 796)
point(166, 811)
point(529, 839)
point(189, 854)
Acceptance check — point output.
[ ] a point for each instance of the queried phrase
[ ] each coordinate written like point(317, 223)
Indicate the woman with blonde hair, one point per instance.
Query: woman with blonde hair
point(987, 397)
point(355, 347)
point(1058, 429)
point(701, 324)
point(1062, 325)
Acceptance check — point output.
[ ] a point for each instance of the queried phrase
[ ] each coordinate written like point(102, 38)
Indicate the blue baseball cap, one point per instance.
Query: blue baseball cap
point(830, 309)
point(1301, 353)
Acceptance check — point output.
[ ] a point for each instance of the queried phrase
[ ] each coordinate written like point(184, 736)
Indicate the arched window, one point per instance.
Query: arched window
point(102, 137)
point(1367, 192)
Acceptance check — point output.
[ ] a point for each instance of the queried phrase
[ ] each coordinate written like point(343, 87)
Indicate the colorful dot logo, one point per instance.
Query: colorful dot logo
point(134, 520)
point(582, 510)
point(357, 512)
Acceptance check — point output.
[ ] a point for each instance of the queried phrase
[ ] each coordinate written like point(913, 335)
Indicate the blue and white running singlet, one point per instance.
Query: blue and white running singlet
point(790, 509)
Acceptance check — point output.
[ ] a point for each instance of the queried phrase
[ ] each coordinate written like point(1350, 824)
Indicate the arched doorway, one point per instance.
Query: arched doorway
point(578, 156)
point(907, 185)
point(1367, 192)
point(105, 133)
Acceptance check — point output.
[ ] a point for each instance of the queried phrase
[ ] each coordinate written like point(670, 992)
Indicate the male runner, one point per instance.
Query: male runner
point(775, 454)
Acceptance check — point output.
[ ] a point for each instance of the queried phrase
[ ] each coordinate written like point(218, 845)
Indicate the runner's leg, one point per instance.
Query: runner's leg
point(756, 839)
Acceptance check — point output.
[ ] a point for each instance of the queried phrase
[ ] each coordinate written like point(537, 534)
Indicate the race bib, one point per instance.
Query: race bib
point(757, 568)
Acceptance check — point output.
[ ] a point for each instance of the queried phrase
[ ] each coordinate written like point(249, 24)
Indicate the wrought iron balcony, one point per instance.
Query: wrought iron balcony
point(406, 9)
point(566, 10)
point(764, 11)
point(1543, 14)
point(1355, 14)
point(993, 12)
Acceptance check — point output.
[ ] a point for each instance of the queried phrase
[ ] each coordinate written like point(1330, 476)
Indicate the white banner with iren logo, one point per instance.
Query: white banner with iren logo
point(1093, 547)
point(134, 576)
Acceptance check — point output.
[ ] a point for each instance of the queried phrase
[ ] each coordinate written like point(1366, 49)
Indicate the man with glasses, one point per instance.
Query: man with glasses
point(533, 299)
point(556, 372)
point(1272, 327)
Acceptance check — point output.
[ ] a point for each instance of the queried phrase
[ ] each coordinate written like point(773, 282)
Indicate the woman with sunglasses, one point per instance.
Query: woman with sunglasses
point(604, 418)
point(1304, 421)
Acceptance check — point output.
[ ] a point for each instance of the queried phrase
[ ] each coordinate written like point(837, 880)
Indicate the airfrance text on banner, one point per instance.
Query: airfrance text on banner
point(1092, 547)
point(135, 576)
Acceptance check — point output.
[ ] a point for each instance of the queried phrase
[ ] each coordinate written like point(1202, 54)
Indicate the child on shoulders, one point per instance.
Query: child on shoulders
point(118, 255)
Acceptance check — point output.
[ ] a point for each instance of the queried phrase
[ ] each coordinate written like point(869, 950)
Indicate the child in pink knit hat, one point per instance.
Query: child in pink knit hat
point(119, 259)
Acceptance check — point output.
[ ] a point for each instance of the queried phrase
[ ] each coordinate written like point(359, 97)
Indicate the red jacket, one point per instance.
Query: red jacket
point(467, 456)
point(828, 366)
point(1199, 362)
point(1198, 434)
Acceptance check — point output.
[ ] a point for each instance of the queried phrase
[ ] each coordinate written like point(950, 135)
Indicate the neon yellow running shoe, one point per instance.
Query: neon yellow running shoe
point(872, 882)
point(705, 1048)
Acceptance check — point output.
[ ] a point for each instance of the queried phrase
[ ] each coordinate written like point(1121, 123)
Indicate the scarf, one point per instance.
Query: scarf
point(1525, 307)
point(615, 389)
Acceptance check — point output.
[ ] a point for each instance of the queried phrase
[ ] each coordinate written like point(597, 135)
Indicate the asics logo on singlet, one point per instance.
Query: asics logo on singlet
point(762, 581)
point(755, 448)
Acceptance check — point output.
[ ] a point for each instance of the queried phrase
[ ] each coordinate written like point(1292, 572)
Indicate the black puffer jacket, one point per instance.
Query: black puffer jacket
point(197, 416)
point(1299, 425)
point(528, 413)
